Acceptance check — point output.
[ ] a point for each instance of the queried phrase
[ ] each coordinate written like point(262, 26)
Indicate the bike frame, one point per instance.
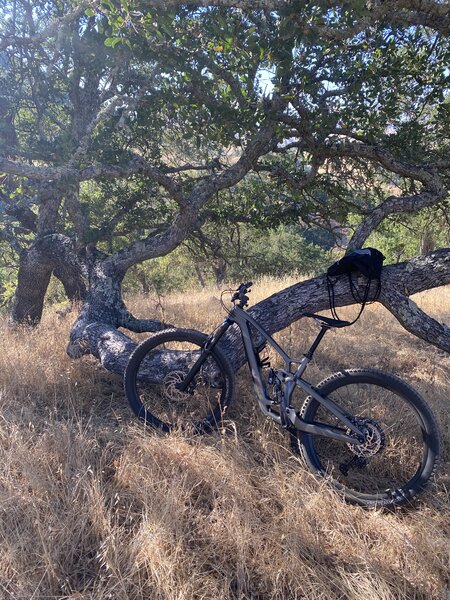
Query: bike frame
point(287, 417)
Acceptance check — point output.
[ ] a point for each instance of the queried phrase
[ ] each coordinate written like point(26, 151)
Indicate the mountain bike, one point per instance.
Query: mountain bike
point(368, 433)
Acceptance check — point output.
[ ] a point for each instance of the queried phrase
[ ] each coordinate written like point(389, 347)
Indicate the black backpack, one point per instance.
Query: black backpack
point(368, 262)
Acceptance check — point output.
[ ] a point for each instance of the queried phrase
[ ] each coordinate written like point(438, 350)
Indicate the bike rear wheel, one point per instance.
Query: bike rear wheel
point(156, 368)
point(401, 450)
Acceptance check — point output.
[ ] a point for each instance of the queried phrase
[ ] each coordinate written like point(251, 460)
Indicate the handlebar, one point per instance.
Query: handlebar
point(240, 294)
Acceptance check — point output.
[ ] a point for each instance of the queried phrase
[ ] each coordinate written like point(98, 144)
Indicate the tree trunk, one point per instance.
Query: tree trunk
point(52, 253)
point(142, 278)
point(427, 244)
point(220, 270)
point(96, 330)
point(32, 283)
point(199, 274)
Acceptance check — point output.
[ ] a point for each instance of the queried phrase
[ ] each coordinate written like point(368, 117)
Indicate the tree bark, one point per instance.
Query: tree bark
point(32, 283)
point(96, 329)
point(199, 274)
point(51, 254)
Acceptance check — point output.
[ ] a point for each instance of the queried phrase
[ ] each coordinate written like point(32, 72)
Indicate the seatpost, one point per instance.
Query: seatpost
point(310, 353)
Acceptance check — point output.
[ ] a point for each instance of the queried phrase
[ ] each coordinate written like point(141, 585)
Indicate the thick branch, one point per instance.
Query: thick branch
point(186, 220)
point(128, 321)
point(337, 147)
point(414, 319)
point(105, 111)
point(284, 308)
point(432, 193)
point(137, 165)
point(425, 13)
point(393, 205)
point(36, 172)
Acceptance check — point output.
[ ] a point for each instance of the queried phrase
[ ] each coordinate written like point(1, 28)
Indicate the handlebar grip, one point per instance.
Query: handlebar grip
point(244, 286)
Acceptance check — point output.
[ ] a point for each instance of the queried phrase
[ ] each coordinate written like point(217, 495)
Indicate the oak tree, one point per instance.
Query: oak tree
point(150, 111)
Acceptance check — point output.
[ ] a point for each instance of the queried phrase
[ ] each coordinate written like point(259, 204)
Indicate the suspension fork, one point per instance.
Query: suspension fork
point(210, 343)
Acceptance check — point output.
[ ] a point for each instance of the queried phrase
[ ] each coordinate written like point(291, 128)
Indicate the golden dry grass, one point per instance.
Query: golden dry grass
point(94, 506)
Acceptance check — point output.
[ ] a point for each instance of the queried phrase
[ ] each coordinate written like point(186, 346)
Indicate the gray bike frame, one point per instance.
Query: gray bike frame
point(289, 379)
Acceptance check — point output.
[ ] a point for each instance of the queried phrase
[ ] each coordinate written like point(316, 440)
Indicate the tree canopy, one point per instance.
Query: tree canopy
point(128, 128)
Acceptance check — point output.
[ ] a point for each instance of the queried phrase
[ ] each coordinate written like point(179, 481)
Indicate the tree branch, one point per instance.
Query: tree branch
point(284, 308)
point(425, 13)
point(432, 193)
point(137, 165)
point(292, 180)
point(128, 321)
point(414, 319)
point(50, 31)
point(186, 219)
point(392, 205)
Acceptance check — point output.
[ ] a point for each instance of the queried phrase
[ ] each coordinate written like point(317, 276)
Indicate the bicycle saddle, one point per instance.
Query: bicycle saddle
point(327, 321)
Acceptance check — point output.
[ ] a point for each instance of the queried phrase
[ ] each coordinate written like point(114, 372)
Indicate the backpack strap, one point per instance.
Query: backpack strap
point(357, 297)
point(368, 262)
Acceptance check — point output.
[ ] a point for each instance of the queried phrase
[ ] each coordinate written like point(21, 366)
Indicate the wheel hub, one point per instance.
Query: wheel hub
point(373, 438)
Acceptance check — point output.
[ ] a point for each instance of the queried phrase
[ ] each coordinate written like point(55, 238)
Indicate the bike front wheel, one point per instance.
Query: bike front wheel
point(160, 364)
point(401, 449)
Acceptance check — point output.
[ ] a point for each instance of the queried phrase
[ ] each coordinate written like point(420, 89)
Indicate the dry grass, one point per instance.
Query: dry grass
point(94, 506)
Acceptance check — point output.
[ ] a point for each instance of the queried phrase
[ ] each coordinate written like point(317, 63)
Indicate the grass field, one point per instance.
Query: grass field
point(94, 506)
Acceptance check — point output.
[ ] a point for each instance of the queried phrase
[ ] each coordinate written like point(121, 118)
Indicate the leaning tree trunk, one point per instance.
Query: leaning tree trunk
point(96, 330)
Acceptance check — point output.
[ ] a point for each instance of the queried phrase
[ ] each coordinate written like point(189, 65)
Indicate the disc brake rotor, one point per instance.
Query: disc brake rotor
point(374, 438)
point(170, 386)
